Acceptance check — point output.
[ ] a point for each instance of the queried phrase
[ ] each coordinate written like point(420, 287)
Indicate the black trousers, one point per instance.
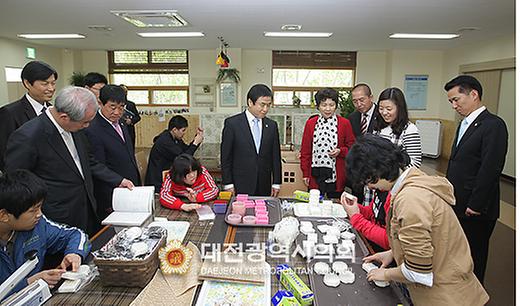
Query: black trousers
point(478, 232)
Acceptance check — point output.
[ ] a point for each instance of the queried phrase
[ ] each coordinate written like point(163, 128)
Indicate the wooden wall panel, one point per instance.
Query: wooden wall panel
point(150, 126)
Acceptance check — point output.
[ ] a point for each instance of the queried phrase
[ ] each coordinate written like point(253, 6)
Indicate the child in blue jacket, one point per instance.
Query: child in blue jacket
point(23, 228)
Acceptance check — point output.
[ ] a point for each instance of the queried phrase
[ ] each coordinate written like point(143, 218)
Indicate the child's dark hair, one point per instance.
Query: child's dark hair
point(372, 158)
point(20, 190)
point(177, 122)
point(182, 165)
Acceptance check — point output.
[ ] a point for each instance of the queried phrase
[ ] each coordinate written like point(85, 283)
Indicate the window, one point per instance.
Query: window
point(158, 77)
point(297, 75)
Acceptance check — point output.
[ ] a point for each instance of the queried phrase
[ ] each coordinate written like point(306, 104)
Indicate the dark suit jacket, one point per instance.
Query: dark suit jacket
point(37, 146)
point(13, 116)
point(355, 121)
point(164, 151)
point(118, 155)
point(251, 173)
point(475, 166)
point(132, 113)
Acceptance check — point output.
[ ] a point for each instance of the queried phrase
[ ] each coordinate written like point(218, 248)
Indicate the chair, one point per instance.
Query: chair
point(141, 157)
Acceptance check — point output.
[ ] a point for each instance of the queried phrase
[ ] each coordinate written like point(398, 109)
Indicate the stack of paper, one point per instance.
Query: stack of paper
point(131, 207)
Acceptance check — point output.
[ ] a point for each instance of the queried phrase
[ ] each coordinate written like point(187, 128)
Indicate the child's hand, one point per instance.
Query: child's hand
point(71, 259)
point(189, 207)
point(51, 277)
point(192, 195)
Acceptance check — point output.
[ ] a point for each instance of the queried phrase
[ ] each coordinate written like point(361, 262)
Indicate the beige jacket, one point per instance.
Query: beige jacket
point(426, 236)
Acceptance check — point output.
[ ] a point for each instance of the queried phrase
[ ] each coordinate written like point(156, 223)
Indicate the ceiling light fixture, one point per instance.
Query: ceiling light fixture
point(423, 36)
point(298, 34)
point(152, 18)
point(50, 36)
point(170, 34)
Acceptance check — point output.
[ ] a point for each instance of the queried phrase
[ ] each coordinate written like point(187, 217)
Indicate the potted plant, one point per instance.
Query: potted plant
point(77, 79)
point(228, 73)
point(345, 102)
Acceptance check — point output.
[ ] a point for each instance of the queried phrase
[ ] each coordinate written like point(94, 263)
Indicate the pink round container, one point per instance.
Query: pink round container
point(249, 219)
point(260, 208)
point(261, 214)
point(234, 218)
point(238, 208)
point(262, 220)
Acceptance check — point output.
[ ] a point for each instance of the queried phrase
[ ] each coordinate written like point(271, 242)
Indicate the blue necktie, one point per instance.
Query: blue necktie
point(463, 126)
point(256, 133)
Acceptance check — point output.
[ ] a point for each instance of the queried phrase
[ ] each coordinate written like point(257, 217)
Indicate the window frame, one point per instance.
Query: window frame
point(151, 68)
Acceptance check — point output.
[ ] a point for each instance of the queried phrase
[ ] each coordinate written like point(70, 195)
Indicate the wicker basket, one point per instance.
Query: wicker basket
point(129, 273)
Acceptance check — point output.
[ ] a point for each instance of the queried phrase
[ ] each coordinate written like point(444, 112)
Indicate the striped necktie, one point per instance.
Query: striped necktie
point(364, 125)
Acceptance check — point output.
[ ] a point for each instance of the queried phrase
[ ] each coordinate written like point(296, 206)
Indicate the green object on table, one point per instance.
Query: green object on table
point(292, 282)
point(301, 195)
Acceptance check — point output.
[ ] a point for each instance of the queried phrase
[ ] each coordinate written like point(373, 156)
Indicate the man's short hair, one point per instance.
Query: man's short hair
point(257, 91)
point(182, 165)
point(365, 87)
point(37, 71)
point(466, 84)
point(93, 78)
point(20, 190)
point(74, 102)
point(177, 122)
point(112, 93)
point(372, 158)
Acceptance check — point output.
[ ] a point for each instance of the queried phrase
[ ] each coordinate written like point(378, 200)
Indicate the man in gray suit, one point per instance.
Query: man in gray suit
point(53, 147)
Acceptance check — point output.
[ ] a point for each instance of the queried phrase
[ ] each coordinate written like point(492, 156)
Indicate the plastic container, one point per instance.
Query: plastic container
point(234, 218)
point(249, 220)
point(239, 208)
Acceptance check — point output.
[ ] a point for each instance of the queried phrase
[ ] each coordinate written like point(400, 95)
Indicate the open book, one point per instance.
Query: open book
point(131, 207)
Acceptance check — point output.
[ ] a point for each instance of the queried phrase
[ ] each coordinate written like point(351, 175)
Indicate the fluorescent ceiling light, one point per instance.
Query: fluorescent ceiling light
point(50, 36)
point(423, 36)
point(171, 34)
point(297, 34)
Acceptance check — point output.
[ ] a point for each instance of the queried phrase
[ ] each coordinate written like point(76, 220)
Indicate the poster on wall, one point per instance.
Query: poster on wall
point(228, 94)
point(416, 91)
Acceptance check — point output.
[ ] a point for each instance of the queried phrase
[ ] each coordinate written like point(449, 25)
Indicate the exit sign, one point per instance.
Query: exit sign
point(30, 53)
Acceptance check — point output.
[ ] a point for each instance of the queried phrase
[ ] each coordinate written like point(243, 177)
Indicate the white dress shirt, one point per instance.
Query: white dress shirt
point(68, 140)
point(37, 106)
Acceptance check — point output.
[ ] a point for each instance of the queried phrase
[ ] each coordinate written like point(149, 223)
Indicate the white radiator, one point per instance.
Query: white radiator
point(431, 137)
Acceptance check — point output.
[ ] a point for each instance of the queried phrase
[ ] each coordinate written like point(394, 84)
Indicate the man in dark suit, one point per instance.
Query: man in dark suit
point(40, 81)
point(250, 149)
point(53, 147)
point(363, 118)
point(111, 145)
point(167, 146)
point(131, 116)
point(476, 162)
point(362, 121)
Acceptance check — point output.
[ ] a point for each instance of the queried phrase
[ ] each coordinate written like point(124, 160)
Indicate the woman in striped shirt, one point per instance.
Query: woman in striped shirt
point(393, 124)
point(187, 178)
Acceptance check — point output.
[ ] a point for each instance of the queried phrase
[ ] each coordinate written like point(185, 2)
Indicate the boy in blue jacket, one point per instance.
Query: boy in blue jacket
point(23, 228)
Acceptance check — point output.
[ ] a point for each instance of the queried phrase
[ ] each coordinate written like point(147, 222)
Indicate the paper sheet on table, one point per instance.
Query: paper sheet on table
point(172, 289)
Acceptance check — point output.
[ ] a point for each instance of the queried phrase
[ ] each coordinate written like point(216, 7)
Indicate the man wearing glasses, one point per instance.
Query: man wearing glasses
point(362, 120)
point(94, 82)
point(111, 144)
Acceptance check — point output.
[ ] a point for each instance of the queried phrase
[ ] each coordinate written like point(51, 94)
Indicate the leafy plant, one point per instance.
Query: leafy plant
point(231, 73)
point(77, 79)
point(345, 103)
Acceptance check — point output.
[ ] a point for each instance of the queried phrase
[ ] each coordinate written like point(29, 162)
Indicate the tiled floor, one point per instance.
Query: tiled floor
point(500, 273)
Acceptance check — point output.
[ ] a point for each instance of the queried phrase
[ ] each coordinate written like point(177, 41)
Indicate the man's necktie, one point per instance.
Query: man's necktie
point(118, 129)
point(364, 124)
point(463, 126)
point(256, 133)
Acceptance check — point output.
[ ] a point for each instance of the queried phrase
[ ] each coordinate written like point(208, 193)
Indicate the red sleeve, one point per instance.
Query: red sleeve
point(370, 229)
point(306, 148)
point(167, 198)
point(366, 211)
point(348, 140)
point(210, 190)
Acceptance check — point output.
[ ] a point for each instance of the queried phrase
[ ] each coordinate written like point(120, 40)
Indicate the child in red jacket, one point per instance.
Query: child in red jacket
point(370, 220)
point(189, 179)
